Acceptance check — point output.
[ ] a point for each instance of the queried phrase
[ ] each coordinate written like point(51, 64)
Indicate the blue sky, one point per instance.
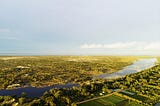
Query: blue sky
point(80, 27)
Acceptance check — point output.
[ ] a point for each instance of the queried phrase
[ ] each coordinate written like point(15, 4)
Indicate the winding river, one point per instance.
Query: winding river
point(137, 66)
point(33, 91)
point(36, 92)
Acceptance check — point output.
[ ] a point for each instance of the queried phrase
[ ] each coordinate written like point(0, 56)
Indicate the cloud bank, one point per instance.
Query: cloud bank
point(140, 46)
point(4, 30)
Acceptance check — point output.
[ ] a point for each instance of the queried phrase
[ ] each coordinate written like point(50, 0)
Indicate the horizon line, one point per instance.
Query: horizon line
point(53, 54)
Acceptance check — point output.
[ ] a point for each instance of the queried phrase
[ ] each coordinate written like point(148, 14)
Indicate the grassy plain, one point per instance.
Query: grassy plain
point(112, 100)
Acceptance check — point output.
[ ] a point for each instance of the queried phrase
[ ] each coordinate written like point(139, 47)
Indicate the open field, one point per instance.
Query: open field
point(112, 100)
point(136, 96)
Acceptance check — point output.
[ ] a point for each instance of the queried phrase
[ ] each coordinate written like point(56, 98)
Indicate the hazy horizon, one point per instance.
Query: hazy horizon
point(82, 27)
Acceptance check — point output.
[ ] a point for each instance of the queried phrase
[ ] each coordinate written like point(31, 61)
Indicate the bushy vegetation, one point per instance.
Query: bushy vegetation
point(49, 70)
point(144, 86)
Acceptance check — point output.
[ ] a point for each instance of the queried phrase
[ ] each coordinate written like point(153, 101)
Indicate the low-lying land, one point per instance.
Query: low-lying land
point(139, 89)
point(112, 100)
point(41, 71)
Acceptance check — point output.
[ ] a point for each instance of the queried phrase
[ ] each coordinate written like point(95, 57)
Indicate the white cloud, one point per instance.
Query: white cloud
point(141, 46)
point(4, 30)
point(9, 38)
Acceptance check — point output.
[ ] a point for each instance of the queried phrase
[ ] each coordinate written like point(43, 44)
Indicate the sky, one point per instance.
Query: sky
point(80, 27)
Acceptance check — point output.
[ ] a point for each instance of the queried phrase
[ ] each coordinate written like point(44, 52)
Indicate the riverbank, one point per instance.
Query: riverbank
point(40, 71)
point(142, 85)
point(38, 91)
point(137, 66)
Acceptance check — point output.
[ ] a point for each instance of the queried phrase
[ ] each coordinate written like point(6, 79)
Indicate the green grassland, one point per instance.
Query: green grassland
point(137, 96)
point(112, 100)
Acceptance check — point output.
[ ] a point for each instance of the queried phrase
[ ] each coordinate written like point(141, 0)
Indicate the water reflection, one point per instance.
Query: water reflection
point(135, 67)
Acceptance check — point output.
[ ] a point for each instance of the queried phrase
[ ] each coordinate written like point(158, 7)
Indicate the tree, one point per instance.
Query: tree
point(37, 102)
point(22, 100)
point(23, 94)
point(50, 101)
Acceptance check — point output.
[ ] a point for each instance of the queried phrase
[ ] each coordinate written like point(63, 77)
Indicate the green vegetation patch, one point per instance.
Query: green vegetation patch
point(91, 103)
point(135, 96)
point(112, 100)
point(42, 71)
point(129, 103)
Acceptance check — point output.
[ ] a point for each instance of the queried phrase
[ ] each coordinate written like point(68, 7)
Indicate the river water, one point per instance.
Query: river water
point(33, 91)
point(137, 66)
point(37, 92)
